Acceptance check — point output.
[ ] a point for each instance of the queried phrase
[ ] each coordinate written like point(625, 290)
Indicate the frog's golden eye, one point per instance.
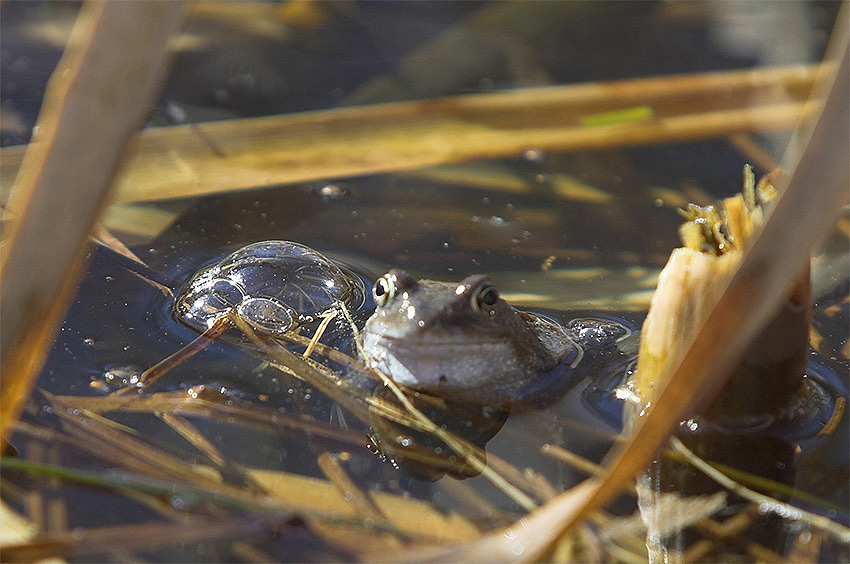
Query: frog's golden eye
point(383, 290)
point(485, 297)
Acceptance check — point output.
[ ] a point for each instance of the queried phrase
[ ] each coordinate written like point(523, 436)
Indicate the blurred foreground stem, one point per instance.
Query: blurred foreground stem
point(95, 101)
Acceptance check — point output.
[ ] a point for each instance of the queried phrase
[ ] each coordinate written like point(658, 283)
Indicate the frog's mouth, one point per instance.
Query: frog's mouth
point(412, 341)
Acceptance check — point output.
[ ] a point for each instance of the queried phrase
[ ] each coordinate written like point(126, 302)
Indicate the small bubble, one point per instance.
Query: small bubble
point(176, 112)
point(533, 155)
point(332, 192)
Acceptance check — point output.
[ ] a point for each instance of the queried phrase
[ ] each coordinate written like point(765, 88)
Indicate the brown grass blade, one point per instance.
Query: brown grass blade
point(134, 537)
point(95, 100)
point(177, 162)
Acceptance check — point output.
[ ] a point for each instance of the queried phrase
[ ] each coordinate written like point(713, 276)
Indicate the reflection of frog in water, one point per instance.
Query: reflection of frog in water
point(460, 340)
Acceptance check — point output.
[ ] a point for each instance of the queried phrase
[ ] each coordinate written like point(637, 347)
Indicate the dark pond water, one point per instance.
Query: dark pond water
point(564, 255)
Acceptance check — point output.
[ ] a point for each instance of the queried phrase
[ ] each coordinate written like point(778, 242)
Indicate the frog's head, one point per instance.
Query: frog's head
point(456, 339)
point(432, 311)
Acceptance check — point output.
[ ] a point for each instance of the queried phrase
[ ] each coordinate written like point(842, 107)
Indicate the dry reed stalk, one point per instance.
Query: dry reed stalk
point(208, 158)
point(95, 101)
point(143, 537)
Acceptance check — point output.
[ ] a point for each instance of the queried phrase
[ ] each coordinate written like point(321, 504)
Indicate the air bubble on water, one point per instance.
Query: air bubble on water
point(176, 112)
point(269, 284)
point(533, 155)
point(332, 192)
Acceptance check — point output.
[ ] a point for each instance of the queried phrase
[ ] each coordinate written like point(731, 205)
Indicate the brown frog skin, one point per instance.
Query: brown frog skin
point(458, 340)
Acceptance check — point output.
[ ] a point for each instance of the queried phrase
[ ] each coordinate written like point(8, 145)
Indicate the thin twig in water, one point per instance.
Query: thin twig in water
point(766, 504)
point(199, 343)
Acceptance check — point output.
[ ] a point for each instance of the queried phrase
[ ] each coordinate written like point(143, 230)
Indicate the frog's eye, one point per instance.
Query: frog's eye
point(485, 297)
point(383, 290)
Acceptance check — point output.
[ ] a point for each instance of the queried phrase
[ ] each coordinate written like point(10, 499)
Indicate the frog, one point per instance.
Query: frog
point(461, 340)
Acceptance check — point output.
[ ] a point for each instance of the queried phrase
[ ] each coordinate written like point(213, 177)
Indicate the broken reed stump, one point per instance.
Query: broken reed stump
point(767, 390)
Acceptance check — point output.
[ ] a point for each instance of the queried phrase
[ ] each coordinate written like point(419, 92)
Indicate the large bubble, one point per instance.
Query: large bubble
point(272, 285)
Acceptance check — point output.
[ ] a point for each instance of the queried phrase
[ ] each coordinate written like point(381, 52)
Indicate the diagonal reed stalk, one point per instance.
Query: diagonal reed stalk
point(94, 104)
